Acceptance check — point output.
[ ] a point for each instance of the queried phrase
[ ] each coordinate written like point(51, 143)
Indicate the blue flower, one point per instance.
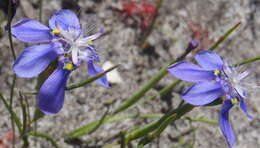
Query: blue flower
point(62, 40)
point(213, 79)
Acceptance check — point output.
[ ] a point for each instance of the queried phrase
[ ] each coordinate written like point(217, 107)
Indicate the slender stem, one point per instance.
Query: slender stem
point(161, 93)
point(24, 130)
point(45, 136)
point(13, 114)
point(86, 129)
point(100, 121)
point(150, 84)
point(173, 115)
point(9, 21)
point(40, 10)
point(29, 92)
point(11, 106)
point(122, 141)
point(91, 79)
point(222, 38)
point(116, 143)
point(27, 107)
point(202, 120)
point(12, 90)
point(251, 60)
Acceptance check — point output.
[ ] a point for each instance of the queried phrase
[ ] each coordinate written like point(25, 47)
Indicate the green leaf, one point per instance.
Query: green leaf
point(37, 115)
point(159, 124)
point(45, 136)
point(157, 132)
point(88, 128)
point(13, 114)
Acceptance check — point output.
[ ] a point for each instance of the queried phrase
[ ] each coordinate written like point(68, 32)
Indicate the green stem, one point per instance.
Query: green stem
point(11, 101)
point(80, 84)
point(45, 136)
point(111, 145)
point(9, 21)
point(251, 60)
point(202, 120)
point(222, 38)
point(84, 130)
point(150, 84)
point(12, 113)
point(91, 79)
point(173, 115)
point(122, 141)
point(161, 93)
point(40, 10)
point(24, 130)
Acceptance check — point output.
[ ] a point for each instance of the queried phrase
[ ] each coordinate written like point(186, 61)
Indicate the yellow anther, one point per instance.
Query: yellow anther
point(234, 101)
point(56, 31)
point(216, 72)
point(69, 66)
point(90, 42)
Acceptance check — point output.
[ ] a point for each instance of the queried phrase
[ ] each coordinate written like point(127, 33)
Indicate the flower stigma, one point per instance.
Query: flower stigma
point(77, 47)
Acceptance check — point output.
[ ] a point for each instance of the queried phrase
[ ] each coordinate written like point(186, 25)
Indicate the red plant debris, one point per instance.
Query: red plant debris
point(6, 140)
point(143, 9)
point(9, 135)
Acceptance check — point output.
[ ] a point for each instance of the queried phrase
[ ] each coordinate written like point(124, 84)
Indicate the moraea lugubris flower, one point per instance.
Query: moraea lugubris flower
point(213, 79)
point(62, 40)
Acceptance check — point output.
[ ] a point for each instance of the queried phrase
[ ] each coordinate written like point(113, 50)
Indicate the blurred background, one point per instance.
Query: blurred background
point(141, 50)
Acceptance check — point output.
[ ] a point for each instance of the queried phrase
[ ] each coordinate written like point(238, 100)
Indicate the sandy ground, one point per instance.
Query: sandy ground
point(175, 26)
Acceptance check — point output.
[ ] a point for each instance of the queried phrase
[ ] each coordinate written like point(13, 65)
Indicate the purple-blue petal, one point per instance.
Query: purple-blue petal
point(92, 54)
point(243, 106)
point(209, 60)
point(31, 31)
point(190, 72)
point(93, 70)
point(51, 94)
point(66, 19)
point(224, 124)
point(203, 93)
point(34, 59)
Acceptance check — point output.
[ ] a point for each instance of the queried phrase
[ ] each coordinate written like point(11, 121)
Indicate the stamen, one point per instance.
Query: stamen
point(216, 72)
point(234, 101)
point(68, 66)
point(90, 42)
point(56, 32)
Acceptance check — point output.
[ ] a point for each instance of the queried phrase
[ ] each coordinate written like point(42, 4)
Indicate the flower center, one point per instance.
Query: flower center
point(75, 46)
point(230, 80)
